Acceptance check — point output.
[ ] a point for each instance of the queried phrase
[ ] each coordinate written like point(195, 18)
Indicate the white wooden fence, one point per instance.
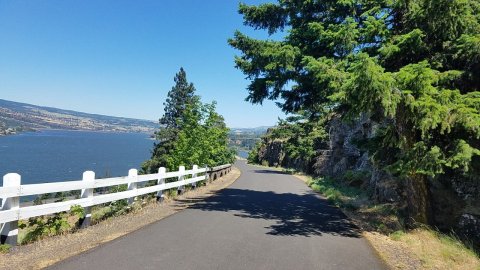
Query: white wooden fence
point(12, 190)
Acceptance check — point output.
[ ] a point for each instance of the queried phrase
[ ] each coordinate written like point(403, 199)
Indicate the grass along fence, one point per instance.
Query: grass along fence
point(11, 191)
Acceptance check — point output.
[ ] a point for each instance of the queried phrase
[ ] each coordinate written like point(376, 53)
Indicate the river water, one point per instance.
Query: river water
point(52, 155)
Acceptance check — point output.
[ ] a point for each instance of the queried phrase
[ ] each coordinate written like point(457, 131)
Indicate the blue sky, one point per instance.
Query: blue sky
point(119, 57)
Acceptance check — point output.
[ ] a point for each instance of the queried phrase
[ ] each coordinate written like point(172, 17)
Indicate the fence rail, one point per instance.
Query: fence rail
point(12, 190)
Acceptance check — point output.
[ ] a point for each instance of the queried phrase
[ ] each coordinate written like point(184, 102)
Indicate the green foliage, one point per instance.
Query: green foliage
point(302, 136)
point(203, 139)
point(253, 154)
point(369, 88)
point(356, 178)
point(336, 191)
point(37, 201)
point(191, 133)
point(397, 235)
point(77, 211)
point(309, 64)
point(115, 208)
point(40, 227)
point(5, 248)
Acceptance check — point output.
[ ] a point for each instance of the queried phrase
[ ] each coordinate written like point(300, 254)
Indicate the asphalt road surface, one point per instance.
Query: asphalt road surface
point(265, 220)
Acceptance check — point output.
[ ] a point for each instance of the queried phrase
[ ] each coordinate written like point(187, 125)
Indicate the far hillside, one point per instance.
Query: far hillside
point(246, 138)
point(16, 117)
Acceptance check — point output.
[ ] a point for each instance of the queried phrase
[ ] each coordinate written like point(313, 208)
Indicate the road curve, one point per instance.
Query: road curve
point(265, 220)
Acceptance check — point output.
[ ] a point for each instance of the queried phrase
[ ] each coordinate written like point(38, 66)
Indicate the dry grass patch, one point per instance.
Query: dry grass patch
point(395, 254)
point(417, 249)
point(438, 251)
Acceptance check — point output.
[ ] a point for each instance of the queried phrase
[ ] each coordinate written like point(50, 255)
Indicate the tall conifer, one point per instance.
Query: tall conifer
point(179, 98)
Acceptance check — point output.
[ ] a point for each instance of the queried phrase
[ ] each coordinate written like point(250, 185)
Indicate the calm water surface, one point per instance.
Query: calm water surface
point(242, 153)
point(50, 156)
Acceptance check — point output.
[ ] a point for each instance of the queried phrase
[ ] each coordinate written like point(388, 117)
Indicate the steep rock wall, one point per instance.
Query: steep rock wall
point(455, 200)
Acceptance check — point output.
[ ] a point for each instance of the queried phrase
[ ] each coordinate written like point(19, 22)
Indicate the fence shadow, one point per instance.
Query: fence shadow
point(295, 215)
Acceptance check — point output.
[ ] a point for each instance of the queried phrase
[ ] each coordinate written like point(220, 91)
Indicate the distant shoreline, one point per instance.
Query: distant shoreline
point(72, 130)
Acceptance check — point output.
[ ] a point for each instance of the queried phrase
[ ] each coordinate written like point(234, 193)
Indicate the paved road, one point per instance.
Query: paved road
point(265, 220)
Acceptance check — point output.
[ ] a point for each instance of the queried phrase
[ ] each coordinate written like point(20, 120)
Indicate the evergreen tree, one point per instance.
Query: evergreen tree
point(179, 98)
point(412, 65)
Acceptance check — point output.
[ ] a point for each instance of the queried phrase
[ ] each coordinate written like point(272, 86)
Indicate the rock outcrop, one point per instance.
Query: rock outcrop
point(455, 200)
point(344, 155)
point(271, 153)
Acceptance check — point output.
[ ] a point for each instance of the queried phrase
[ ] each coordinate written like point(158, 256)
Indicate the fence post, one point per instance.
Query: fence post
point(195, 168)
point(181, 188)
point(161, 180)
point(207, 175)
point(88, 177)
point(132, 185)
point(9, 231)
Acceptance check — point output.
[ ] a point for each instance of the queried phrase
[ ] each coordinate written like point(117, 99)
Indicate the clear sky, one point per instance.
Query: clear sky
point(119, 57)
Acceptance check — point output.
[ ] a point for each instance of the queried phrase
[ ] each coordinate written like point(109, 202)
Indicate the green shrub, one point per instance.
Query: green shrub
point(253, 154)
point(356, 178)
point(40, 227)
point(336, 192)
point(101, 213)
point(382, 228)
point(78, 211)
point(5, 248)
point(396, 236)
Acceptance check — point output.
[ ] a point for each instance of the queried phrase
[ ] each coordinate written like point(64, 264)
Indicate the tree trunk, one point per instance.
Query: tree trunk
point(418, 200)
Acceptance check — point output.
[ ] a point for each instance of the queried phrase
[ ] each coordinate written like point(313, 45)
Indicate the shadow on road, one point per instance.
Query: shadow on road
point(270, 172)
point(295, 215)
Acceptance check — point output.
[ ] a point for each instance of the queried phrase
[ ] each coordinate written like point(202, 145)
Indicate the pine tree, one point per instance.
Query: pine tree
point(179, 98)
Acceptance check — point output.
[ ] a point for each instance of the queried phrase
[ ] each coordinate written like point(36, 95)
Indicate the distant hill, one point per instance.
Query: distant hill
point(246, 138)
point(15, 116)
point(256, 130)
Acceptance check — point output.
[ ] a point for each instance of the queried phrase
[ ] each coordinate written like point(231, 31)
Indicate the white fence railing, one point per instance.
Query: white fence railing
point(12, 190)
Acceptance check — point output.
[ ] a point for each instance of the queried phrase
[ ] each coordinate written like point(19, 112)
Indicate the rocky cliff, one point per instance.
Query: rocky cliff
point(272, 153)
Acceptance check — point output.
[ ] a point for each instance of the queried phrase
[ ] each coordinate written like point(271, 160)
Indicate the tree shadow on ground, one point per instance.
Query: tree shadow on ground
point(295, 215)
point(271, 172)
